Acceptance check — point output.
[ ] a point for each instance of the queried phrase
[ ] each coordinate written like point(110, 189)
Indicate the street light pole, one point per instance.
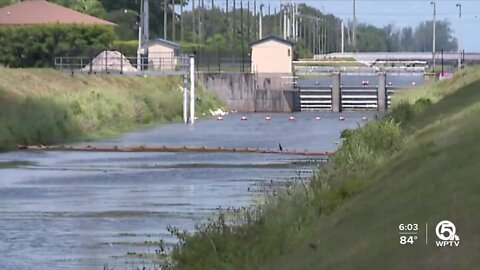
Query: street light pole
point(434, 32)
point(459, 36)
point(139, 47)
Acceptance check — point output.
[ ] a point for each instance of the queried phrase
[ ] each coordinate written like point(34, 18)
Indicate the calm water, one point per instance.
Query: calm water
point(72, 210)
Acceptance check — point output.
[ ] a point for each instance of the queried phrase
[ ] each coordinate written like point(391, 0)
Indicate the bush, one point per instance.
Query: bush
point(37, 45)
point(128, 48)
point(405, 111)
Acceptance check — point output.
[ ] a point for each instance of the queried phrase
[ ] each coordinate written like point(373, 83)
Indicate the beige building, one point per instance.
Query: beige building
point(162, 54)
point(272, 55)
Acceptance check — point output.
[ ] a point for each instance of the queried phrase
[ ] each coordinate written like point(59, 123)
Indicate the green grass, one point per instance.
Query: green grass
point(415, 167)
point(44, 106)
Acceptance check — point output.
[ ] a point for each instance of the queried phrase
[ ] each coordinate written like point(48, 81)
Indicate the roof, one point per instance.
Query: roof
point(166, 42)
point(43, 12)
point(272, 37)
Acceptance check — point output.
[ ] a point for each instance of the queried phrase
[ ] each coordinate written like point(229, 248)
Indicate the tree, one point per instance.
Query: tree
point(7, 2)
point(444, 39)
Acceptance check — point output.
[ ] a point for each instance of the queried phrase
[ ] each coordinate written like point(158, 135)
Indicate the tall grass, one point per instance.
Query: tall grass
point(272, 228)
point(41, 106)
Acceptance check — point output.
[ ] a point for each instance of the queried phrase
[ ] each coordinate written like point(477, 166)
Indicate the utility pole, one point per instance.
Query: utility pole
point(165, 19)
point(434, 32)
point(260, 34)
point(181, 20)
point(145, 27)
point(200, 21)
point(459, 36)
point(234, 32)
point(354, 28)
point(173, 20)
point(194, 33)
point(284, 10)
point(254, 19)
point(243, 42)
point(343, 37)
point(248, 21)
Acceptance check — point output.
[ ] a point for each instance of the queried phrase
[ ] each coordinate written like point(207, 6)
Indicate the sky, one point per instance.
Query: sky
point(401, 13)
point(410, 13)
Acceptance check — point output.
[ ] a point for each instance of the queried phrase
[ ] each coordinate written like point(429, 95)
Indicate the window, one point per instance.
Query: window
point(288, 52)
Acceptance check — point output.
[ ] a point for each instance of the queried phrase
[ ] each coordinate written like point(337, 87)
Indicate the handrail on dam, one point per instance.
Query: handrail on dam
point(164, 148)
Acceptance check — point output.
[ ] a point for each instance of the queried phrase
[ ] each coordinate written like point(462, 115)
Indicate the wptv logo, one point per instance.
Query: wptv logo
point(447, 233)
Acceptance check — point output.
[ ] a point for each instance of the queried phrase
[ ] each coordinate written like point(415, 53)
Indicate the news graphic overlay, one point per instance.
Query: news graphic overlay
point(447, 234)
point(408, 233)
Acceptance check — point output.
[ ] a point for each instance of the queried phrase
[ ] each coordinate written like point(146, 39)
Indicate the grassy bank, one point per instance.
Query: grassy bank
point(418, 165)
point(44, 106)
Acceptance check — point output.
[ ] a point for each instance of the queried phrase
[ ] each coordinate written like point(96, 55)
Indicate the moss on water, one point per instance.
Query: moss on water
point(43, 106)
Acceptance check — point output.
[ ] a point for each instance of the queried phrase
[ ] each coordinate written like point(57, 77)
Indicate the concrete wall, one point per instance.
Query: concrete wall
point(240, 92)
point(276, 101)
point(236, 89)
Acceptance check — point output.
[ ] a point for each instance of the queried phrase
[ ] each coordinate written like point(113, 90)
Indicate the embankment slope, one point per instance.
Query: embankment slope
point(418, 166)
point(45, 106)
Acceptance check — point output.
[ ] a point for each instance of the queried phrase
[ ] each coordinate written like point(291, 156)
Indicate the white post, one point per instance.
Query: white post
point(343, 37)
point(185, 100)
point(192, 89)
point(139, 49)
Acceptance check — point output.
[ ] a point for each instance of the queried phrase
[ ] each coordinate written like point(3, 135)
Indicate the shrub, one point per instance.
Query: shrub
point(37, 45)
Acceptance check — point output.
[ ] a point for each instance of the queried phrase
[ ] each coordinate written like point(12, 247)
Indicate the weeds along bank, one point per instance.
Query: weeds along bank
point(44, 106)
point(418, 165)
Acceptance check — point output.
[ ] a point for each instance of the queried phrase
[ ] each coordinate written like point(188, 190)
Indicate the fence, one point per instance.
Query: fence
point(111, 62)
point(222, 61)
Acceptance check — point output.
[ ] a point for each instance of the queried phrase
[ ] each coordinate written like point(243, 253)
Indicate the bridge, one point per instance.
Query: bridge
point(372, 57)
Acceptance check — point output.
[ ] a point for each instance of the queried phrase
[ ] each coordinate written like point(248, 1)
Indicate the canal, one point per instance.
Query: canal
point(83, 210)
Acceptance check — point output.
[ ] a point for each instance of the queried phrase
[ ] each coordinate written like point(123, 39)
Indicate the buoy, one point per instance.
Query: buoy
point(219, 118)
point(243, 118)
point(341, 118)
point(268, 118)
point(364, 118)
point(318, 118)
point(291, 118)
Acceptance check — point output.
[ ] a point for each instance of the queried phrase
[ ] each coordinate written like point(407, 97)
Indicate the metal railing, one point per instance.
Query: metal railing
point(106, 63)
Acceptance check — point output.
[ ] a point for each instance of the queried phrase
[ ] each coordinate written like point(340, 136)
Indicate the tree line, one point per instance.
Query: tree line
point(231, 25)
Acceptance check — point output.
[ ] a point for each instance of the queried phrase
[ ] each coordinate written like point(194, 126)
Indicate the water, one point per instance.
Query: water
point(82, 210)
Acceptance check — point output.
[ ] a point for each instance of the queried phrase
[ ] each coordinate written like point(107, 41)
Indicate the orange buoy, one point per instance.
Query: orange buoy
point(341, 118)
point(318, 118)
point(268, 118)
point(291, 118)
point(243, 118)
